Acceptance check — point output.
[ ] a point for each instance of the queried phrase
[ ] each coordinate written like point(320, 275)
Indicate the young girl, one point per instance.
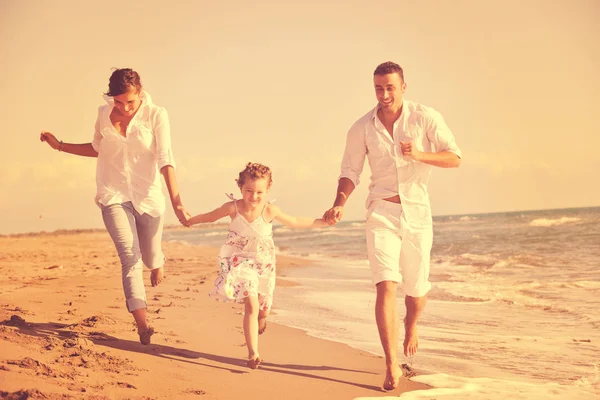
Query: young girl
point(247, 259)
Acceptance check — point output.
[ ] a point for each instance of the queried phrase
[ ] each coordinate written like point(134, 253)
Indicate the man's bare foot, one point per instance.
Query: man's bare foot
point(392, 377)
point(262, 325)
point(411, 340)
point(145, 335)
point(156, 276)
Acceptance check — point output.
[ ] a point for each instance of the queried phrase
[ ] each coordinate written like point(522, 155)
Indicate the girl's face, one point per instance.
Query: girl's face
point(128, 102)
point(254, 192)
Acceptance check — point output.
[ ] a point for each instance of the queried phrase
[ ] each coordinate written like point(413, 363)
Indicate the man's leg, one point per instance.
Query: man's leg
point(383, 247)
point(387, 324)
point(414, 308)
point(414, 264)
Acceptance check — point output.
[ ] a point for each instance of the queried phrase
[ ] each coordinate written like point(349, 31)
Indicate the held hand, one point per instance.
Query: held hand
point(333, 215)
point(182, 215)
point(410, 151)
point(50, 139)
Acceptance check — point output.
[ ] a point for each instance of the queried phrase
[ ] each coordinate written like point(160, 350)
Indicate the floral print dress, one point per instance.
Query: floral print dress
point(247, 262)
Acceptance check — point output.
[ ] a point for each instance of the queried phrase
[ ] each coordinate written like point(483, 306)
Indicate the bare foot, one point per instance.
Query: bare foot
point(145, 335)
point(392, 377)
point(411, 340)
point(254, 362)
point(156, 276)
point(262, 325)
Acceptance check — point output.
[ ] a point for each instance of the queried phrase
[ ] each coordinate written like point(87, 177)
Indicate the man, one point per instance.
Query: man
point(403, 140)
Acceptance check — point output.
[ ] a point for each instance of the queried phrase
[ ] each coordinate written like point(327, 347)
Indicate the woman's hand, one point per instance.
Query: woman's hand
point(50, 139)
point(182, 215)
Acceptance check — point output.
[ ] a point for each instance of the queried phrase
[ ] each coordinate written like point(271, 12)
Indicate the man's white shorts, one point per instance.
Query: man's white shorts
point(397, 253)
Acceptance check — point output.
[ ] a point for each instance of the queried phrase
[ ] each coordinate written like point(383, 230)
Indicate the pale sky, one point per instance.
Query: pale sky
point(280, 82)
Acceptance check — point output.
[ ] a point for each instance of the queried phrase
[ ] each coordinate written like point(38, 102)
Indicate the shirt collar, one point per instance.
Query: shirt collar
point(376, 120)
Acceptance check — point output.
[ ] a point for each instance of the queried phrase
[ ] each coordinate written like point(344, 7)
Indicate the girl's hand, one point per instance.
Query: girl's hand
point(50, 139)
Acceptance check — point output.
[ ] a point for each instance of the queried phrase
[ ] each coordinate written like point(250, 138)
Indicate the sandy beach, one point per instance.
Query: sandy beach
point(65, 332)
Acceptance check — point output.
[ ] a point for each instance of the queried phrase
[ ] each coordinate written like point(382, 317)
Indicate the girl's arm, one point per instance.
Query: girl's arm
point(295, 222)
point(225, 210)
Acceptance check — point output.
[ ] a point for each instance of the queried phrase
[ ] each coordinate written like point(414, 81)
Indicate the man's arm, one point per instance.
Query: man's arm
point(446, 153)
point(353, 162)
point(335, 213)
point(443, 159)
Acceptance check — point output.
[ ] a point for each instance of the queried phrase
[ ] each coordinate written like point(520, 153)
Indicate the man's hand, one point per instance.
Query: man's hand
point(333, 215)
point(409, 151)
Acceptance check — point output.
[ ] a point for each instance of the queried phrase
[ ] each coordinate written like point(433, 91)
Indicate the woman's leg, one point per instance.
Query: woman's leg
point(150, 231)
point(120, 223)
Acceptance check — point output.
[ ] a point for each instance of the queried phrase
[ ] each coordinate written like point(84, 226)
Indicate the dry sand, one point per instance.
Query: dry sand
point(65, 332)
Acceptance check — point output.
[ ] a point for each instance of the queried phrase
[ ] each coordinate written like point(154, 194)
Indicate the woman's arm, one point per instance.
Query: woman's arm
point(79, 149)
point(168, 172)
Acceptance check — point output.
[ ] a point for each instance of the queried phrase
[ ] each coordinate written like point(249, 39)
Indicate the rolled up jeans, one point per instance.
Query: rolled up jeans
point(137, 238)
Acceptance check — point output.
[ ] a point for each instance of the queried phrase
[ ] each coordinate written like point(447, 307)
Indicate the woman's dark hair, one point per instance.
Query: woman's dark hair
point(121, 80)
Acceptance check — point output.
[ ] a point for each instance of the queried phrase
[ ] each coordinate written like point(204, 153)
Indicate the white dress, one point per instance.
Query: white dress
point(247, 262)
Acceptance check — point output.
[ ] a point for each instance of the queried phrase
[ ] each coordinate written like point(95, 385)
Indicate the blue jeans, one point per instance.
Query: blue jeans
point(137, 238)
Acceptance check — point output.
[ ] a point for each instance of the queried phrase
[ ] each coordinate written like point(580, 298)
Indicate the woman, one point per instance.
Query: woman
point(132, 141)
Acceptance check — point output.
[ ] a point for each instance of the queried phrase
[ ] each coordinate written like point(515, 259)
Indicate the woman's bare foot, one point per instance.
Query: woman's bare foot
point(411, 340)
point(392, 377)
point(156, 276)
point(262, 325)
point(145, 335)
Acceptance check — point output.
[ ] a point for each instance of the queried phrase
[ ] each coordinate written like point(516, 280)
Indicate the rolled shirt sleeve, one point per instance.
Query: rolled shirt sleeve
point(162, 133)
point(439, 135)
point(355, 152)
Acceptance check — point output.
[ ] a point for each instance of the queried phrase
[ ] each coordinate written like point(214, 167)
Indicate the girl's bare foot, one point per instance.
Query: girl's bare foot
point(253, 363)
point(145, 335)
point(156, 276)
point(392, 377)
point(262, 325)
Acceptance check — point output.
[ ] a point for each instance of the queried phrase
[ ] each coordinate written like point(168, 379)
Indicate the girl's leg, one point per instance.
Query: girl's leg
point(262, 321)
point(120, 223)
point(150, 231)
point(251, 330)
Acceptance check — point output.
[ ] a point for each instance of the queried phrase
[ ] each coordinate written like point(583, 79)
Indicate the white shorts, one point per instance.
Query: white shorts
point(395, 252)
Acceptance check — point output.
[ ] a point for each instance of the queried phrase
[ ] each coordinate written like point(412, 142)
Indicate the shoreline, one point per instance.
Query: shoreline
point(66, 332)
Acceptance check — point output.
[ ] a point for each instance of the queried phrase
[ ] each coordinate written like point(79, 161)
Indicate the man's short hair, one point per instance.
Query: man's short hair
point(389, 67)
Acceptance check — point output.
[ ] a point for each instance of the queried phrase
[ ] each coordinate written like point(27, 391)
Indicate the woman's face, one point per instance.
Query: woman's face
point(127, 103)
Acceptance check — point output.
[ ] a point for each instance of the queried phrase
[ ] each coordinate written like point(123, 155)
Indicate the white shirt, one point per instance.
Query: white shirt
point(391, 174)
point(128, 168)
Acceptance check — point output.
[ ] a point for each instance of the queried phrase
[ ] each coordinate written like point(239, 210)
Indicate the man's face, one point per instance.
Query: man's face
point(389, 90)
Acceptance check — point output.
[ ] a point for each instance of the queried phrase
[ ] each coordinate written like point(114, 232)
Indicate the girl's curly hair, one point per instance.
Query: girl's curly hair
point(255, 171)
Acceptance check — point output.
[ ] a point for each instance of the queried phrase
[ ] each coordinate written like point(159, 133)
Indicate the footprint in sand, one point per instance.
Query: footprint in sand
point(124, 385)
point(195, 391)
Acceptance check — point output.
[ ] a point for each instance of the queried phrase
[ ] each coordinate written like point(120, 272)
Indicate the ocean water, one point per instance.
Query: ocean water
point(513, 313)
